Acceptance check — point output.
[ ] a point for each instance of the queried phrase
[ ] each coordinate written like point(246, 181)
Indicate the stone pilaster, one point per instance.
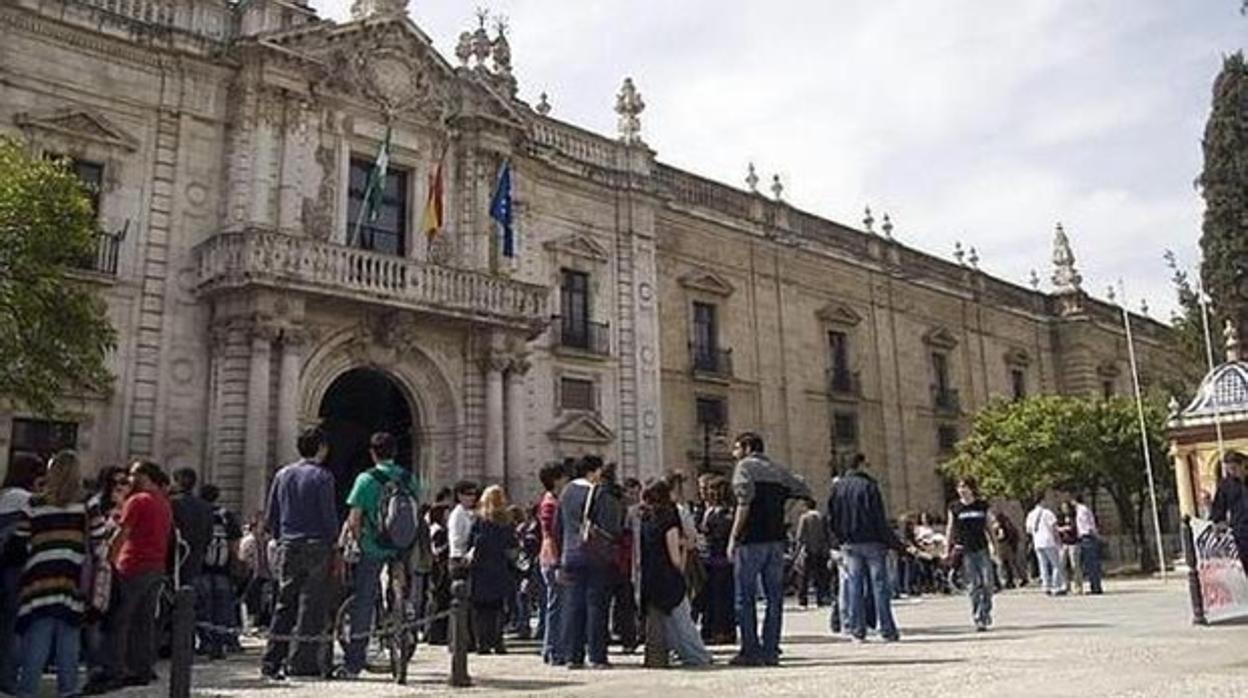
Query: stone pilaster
point(495, 434)
point(256, 447)
point(291, 345)
point(517, 470)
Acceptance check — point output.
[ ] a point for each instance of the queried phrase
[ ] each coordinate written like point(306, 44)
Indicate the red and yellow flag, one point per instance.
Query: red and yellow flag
point(431, 223)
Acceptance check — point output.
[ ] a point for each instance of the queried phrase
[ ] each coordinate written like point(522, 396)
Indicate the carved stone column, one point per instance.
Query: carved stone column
point(516, 469)
point(495, 466)
point(288, 396)
point(256, 446)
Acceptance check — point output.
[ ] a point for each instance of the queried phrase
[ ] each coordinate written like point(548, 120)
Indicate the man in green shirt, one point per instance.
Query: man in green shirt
point(363, 522)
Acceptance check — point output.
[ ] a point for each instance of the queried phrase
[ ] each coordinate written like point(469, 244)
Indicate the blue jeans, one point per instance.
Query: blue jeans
point(552, 641)
point(866, 571)
point(750, 562)
point(977, 574)
point(537, 590)
point(365, 584)
point(682, 636)
point(585, 617)
point(38, 642)
point(10, 580)
point(1090, 547)
point(1052, 580)
point(214, 601)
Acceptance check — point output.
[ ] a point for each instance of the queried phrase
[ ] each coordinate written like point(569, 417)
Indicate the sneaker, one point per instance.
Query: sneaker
point(980, 628)
point(771, 661)
point(272, 674)
point(344, 674)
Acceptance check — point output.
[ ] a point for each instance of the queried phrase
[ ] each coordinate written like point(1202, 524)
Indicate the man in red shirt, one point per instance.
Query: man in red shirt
point(138, 554)
point(553, 477)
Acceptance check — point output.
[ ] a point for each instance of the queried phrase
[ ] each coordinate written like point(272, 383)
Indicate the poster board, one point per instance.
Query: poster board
point(1223, 584)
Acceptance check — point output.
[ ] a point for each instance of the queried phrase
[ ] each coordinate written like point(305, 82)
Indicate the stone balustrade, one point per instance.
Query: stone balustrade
point(264, 258)
point(575, 143)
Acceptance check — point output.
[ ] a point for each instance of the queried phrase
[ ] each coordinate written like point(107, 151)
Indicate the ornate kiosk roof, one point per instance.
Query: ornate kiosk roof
point(1223, 395)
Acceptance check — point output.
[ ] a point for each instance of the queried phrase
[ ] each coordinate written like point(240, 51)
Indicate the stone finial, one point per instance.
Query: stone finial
point(973, 258)
point(1065, 277)
point(777, 187)
point(543, 105)
point(502, 48)
point(1144, 307)
point(868, 221)
point(463, 49)
point(367, 9)
point(482, 47)
point(888, 227)
point(1111, 295)
point(1230, 337)
point(751, 178)
point(958, 253)
point(629, 105)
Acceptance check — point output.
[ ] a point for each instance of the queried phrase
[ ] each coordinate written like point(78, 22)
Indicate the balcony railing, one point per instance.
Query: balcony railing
point(711, 362)
point(946, 399)
point(844, 383)
point(588, 337)
point(264, 258)
point(107, 249)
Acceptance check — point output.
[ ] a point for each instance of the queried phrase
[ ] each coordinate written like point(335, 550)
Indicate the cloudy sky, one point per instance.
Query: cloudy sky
point(972, 120)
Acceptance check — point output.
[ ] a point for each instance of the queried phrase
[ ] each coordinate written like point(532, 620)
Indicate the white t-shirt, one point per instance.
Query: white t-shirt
point(459, 530)
point(1085, 521)
point(1042, 525)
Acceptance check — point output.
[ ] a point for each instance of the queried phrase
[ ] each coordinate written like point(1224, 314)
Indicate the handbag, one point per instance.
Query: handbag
point(598, 543)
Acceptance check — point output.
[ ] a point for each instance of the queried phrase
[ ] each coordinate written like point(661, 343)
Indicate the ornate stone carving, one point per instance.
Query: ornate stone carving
point(78, 124)
point(367, 9)
point(317, 214)
point(629, 105)
point(385, 69)
point(1065, 277)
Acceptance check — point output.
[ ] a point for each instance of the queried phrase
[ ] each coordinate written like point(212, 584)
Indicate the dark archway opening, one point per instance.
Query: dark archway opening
point(358, 404)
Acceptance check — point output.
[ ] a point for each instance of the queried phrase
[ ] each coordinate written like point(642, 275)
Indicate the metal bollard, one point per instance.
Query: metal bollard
point(1193, 574)
point(459, 635)
point(182, 643)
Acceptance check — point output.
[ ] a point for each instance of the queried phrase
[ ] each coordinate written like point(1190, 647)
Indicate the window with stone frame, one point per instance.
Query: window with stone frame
point(387, 231)
point(1107, 389)
point(577, 394)
point(90, 174)
point(845, 430)
point(712, 411)
point(946, 438)
point(574, 308)
point(838, 355)
point(41, 437)
point(705, 336)
point(1018, 384)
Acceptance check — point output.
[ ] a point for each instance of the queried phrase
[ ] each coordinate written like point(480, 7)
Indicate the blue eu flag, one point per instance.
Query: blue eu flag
point(500, 210)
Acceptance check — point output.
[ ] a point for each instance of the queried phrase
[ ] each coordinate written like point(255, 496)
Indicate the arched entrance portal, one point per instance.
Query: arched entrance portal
point(358, 404)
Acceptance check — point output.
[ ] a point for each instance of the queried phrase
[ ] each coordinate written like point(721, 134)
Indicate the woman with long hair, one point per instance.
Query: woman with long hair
point(663, 590)
point(492, 550)
point(58, 536)
point(20, 482)
point(719, 623)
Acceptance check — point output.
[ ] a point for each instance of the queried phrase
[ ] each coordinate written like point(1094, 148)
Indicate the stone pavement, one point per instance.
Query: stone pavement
point(1134, 641)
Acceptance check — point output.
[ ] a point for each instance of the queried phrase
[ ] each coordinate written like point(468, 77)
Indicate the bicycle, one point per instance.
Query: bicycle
point(392, 632)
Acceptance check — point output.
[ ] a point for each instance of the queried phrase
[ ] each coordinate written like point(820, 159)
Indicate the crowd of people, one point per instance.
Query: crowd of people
point(597, 560)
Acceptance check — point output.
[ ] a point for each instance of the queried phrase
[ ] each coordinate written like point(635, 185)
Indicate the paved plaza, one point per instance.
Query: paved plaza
point(1134, 641)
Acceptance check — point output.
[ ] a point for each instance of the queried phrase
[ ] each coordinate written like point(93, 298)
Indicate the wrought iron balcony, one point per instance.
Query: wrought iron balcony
point(107, 249)
point(586, 337)
point(269, 259)
point(711, 362)
point(844, 383)
point(946, 400)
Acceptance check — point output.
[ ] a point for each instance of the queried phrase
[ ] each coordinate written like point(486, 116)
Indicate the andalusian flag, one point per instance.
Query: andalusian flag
point(375, 188)
point(500, 211)
point(431, 224)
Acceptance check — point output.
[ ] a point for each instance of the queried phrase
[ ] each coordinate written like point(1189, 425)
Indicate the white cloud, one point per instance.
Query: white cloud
point(985, 122)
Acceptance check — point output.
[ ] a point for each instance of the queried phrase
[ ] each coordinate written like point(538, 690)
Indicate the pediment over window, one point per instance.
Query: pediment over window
point(707, 282)
point(1017, 357)
point(78, 123)
point(941, 338)
point(579, 246)
point(838, 314)
point(583, 427)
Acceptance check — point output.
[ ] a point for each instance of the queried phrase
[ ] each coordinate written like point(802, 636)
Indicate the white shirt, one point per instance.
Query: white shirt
point(1085, 521)
point(1042, 525)
point(459, 530)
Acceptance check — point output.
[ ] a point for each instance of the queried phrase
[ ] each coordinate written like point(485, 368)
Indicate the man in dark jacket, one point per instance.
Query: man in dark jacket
point(859, 525)
point(589, 522)
point(1230, 505)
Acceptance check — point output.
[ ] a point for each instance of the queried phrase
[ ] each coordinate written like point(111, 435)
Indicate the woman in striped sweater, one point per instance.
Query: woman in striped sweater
point(57, 531)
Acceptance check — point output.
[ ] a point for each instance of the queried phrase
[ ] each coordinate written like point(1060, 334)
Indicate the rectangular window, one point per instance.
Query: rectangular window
point(845, 429)
point(1107, 389)
point(705, 337)
point(946, 438)
point(387, 232)
point(940, 371)
point(712, 412)
point(576, 394)
point(41, 438)
point(1018, 383)
point(91, 174)
point(838, 349)
point(574, 304)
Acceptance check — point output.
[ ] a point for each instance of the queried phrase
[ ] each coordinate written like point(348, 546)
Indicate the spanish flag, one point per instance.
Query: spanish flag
point(431, 224)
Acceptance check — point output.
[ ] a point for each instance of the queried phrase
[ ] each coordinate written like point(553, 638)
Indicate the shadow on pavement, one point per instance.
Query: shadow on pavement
point(897, 661)
point(523, 685)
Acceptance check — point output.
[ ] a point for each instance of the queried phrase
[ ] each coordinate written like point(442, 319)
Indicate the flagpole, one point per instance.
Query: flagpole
point(1139, 407)
point(1217, 409)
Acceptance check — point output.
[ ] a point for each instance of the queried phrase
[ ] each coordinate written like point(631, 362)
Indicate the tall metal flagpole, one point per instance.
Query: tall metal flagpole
point(1217, 410)
point(1139, 406)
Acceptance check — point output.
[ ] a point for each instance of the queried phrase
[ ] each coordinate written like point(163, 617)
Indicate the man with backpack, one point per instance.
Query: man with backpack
point(216, 583)
point(384, 519)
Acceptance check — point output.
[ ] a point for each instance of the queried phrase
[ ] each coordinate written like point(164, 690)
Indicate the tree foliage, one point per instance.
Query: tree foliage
point(1224, 185)
point(1188, 330)
point(54, 332)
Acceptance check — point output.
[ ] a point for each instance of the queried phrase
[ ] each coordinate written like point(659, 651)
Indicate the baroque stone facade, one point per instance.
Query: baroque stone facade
point(647, 313)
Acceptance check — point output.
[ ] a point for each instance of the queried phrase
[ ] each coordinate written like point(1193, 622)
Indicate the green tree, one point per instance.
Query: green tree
point(1224, 185)
point(54, 331)
point(1189, 335)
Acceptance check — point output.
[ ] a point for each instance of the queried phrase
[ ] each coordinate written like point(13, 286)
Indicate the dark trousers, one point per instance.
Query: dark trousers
point(585, 615)
point(215, 607)
point(302, 607)
point(719, 618)
point(131, 647)
point(624, 613)
point(487, 619)
point(816, 570)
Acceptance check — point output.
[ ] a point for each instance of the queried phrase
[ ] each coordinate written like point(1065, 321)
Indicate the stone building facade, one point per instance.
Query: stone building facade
point(646, 313)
